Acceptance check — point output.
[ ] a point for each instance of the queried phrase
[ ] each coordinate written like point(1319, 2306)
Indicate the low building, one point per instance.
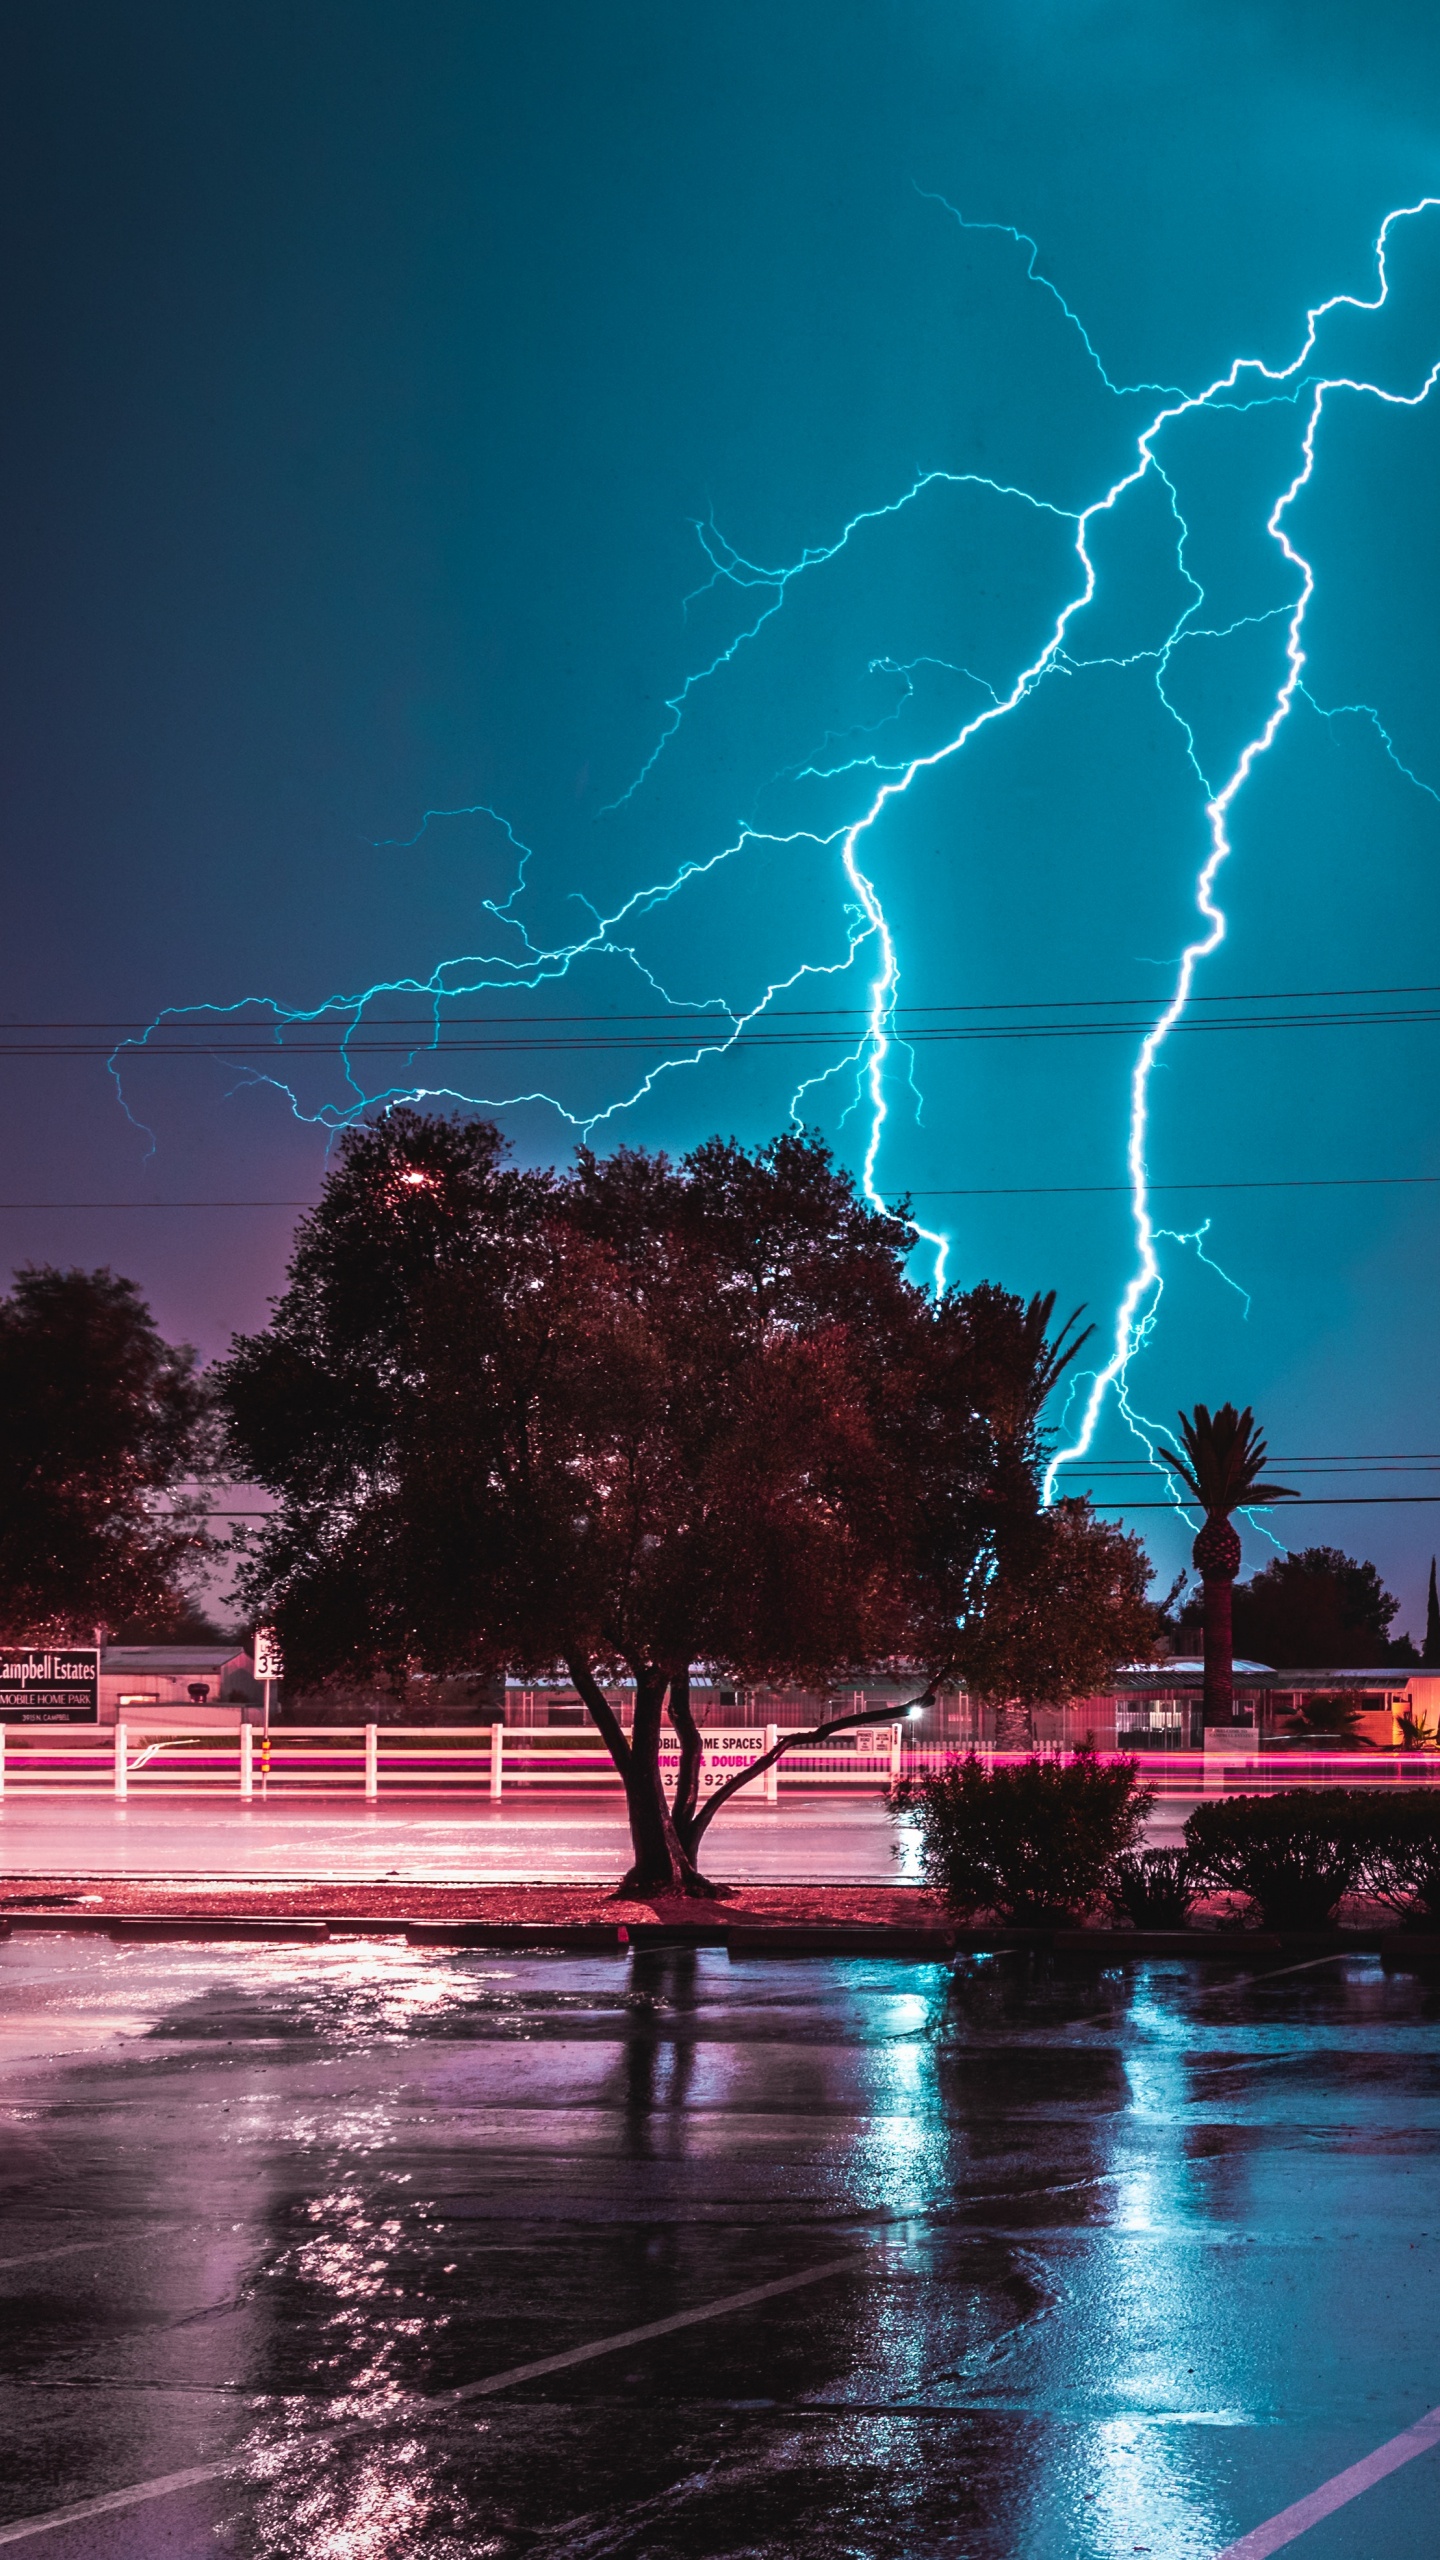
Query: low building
point(1159, 1706)
point(199, 1686)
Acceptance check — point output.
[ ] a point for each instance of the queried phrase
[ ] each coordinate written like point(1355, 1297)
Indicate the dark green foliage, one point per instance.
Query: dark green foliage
point(1035, 1844)
point(1296, 1854)
point(1332, 1720)
point(1154, 1887)
point(1401, 1858)
point(98, 1416)
point(1316, 1609)
point(1225, 1460)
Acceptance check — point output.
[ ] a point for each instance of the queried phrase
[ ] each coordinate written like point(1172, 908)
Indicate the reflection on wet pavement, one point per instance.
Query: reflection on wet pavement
point(1113, 2268)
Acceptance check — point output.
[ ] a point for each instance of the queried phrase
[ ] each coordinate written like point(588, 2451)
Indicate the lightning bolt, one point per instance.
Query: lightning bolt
point(713, 1025)
point(1134, 1317)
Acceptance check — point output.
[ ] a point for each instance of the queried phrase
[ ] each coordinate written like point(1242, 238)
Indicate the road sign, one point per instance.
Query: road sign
point(269, 1662)
point(50, 1684)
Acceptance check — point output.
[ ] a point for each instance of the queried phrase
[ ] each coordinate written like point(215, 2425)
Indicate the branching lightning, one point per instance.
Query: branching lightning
point(710, 1026)
point(1135, 1315)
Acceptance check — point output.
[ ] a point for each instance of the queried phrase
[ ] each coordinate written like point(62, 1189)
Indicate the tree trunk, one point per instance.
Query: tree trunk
point(1217, 1557)
point(1014, 1725)
point(660, 1865)
point(1219, 1650)
point(685, 1803)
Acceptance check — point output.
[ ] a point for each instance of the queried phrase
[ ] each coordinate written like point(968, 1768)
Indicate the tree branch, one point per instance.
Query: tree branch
point(692, 1750)
point(612, 1732)
point(816, 1733)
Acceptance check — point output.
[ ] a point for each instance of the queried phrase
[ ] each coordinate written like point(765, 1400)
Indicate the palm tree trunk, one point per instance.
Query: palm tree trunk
point(1219, 1650)
point(1217, 1557)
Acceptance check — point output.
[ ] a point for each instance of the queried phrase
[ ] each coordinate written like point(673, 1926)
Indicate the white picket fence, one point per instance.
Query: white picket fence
point(369, 1760)
point(364, 1762)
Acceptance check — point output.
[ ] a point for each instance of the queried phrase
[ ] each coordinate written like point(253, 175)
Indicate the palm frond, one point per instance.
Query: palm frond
point(1224, 1461)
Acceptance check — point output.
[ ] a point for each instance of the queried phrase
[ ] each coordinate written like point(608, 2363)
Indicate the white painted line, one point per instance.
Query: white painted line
point(442, 2400)
point(74, 2248)
point(1238, 1981)
point(433, 2405)
point(114, 2499)
point(1293, 2521)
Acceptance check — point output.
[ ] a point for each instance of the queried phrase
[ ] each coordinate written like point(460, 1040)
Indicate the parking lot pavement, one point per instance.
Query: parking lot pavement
point(371, 2253)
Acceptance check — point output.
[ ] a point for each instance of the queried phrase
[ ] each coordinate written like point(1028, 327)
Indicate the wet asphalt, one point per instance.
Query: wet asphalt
point(1119, 2262)
point(831, 1839)
point(841, 1839)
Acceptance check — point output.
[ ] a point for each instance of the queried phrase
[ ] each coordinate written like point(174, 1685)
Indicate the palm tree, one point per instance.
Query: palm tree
point(1224, 1462)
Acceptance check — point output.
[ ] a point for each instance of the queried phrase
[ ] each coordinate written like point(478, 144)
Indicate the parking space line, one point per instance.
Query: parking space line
point(518, 2373)
point(113, 2499)
point(1274, 1973)
point(1293, 2521)
point(434, 2404)
point(74, 2248)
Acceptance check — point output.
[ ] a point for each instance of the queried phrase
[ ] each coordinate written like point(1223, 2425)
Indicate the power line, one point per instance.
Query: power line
point(725, 1040)
point(1304, 1501)
point(1004, 1191)
point(1076, 1190)
point(1361, 1463)
point(788, 1013)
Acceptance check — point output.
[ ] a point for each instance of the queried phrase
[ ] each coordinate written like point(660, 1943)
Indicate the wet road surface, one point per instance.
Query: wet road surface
point(818, 1838)
point(529, 1841)
point(1052, 2262)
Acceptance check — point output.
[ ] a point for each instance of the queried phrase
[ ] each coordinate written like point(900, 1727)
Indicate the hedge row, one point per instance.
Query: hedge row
point(1051, 1842)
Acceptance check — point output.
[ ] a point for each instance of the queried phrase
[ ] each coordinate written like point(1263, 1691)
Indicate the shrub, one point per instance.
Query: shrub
point(1400, 1861)
point(1035, 1844)
point(1331, 1719)
point(1295, 1854)
point(1154, 1887)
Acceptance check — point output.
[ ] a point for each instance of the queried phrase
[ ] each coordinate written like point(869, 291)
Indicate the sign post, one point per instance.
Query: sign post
point(50, 1684)
point(269, 1667)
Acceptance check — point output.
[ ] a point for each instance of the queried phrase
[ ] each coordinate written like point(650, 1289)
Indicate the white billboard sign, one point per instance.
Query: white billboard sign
point(725, 1756)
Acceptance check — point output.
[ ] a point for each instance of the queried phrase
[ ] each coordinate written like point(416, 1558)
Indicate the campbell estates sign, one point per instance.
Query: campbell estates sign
point(45, 1685)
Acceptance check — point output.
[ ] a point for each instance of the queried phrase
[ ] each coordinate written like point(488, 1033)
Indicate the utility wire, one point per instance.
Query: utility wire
point(787, 1013)
point(725, 1040)
point(1005, 1191)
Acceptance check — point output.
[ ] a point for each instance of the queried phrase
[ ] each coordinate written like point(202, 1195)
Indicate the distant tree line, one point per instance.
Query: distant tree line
point(1315, 1609)
point(104, 1431)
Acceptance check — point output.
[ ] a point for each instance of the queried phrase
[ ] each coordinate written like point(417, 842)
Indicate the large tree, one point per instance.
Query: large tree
point(641, 1416)
point(101, 1423)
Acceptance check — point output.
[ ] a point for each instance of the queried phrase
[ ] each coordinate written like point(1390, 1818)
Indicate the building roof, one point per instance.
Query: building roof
point(1187, 1671)
point(171, 1661)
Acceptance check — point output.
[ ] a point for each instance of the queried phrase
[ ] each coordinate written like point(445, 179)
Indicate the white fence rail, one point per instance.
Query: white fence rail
point(371, 1761)
point(365, 1763)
